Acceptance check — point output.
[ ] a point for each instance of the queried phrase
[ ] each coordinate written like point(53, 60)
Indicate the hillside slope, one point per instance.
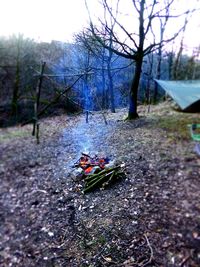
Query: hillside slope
point(150, 218)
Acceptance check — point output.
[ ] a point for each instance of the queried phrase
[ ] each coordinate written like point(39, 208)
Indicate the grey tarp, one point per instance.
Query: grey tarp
point(185, 93)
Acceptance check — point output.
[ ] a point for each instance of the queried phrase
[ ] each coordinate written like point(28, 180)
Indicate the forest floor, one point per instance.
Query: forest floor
point(149, 218)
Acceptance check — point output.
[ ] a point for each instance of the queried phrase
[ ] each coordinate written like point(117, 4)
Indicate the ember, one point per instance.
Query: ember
point(90, 164)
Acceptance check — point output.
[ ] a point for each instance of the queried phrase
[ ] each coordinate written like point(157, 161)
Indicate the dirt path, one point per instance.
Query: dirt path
point(151, 218)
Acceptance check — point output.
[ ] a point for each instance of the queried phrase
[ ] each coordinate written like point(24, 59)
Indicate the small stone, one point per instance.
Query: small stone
point(51, 234)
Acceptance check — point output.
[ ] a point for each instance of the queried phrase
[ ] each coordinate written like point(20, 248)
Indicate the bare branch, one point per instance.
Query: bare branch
point(120, 25)
point(55, 100)
point(117, 52)
point(115, 69)
point(134, 2)
point(150, 17)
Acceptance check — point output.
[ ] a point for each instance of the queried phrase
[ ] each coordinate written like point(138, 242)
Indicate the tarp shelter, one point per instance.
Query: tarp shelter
point(185, 93)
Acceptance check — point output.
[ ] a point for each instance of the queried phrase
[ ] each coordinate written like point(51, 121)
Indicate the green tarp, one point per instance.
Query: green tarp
point(185, 93)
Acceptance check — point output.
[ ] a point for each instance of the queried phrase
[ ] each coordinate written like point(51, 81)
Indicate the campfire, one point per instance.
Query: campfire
point(91, 164)
point(98, 172)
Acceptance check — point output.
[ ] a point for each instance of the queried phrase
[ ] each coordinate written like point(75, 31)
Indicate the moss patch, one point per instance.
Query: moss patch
point(10, 135)
point(176, 125)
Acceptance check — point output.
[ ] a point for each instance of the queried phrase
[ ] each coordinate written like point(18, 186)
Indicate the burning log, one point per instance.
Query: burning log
point(87, 163)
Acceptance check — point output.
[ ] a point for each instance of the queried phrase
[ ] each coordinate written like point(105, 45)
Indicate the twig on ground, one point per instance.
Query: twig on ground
point(100, 252)
point(184, 260)
point(151, 253)
point(39, 190)
point(108, 260)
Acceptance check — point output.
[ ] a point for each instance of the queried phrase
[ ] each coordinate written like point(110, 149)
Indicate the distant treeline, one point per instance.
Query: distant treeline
point(104, 83)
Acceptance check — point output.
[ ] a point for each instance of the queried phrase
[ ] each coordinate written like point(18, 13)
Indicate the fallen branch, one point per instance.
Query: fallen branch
point(151, 253)
point(182, 264)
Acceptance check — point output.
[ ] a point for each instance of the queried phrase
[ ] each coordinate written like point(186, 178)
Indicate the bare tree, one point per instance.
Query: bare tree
point(149, 74)
point(17, 80)
point(163, 24)
point(179, 54)
point(20, 54)
point(138, 42)
point(194, 64)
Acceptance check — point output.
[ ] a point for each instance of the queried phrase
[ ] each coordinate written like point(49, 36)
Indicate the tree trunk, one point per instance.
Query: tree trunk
point(149, 78)
point(177, 62)
point(110, 78)
point(15, 93)
point(158, 74)
point(112, 101)
point(104, 100)
point(132, 114)
point(15, 96)
point(87, 104)
point(170, 65)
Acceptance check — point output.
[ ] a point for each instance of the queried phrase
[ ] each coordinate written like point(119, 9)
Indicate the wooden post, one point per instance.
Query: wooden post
point(36, 104)
point(87, 114)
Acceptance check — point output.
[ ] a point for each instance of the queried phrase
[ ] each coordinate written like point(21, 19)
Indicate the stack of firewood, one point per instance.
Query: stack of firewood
point(103, 178)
